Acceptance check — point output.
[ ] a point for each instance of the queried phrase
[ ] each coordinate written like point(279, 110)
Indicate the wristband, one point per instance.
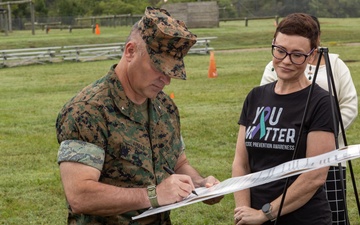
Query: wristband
point(151, 191)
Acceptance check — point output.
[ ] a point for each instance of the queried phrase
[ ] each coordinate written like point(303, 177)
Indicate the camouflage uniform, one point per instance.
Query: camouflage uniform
point(101, 127)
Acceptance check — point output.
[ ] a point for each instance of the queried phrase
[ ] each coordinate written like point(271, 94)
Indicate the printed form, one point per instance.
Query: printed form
point(281, 171)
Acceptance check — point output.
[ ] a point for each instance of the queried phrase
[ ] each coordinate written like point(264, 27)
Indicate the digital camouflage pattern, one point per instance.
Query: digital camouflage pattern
point(168, 40)
point(136, 149)
point(82, 152)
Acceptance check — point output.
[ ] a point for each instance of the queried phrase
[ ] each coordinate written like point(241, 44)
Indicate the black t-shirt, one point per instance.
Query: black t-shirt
point(272, 129)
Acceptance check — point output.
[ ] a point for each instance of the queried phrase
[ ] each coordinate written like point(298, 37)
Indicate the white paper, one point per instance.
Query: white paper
point(281, 171)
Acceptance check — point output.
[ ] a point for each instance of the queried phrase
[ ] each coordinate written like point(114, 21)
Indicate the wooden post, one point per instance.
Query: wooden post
point(9, 17)
point(32, 10)
point(19, 2)
point(3, 21)
point(93, 22)
point(6, 26)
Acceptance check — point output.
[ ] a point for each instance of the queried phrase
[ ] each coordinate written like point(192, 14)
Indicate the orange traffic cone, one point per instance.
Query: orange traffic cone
point(97, 29)
point(212, 67)
point(172, 96)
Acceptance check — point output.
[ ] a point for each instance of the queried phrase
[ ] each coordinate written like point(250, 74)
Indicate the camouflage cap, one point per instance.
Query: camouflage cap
point(168, 40)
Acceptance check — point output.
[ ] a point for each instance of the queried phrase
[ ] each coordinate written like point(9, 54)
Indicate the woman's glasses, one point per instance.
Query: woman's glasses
point(295, 57)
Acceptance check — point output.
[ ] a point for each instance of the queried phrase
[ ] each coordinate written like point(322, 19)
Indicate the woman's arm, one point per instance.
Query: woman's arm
point(241, 167)
point(299, 192)
point(305, 186)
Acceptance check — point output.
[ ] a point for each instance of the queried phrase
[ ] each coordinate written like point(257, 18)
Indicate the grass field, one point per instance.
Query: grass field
point(31, 96)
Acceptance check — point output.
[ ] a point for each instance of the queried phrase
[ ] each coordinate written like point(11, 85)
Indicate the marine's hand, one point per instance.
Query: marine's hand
point(174, 189)
point(209, 182)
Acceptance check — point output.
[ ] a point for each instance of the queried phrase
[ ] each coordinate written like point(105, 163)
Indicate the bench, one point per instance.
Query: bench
point(68, 27)
point(246, 19)
point(261, 18)
point(81, 53)
point(42, 26)
point(25, 56)
point(202, 46)
point(71, 27)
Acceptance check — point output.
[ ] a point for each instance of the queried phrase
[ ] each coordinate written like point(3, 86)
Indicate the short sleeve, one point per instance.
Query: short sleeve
point(81, 152)
point(182, 143)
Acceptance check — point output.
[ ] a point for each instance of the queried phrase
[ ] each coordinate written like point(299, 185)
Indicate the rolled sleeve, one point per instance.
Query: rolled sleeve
point(81, 152)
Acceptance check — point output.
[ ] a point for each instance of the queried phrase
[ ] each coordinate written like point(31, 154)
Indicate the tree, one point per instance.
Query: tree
point(40, 8)
point(115, 7)
point(227, 8)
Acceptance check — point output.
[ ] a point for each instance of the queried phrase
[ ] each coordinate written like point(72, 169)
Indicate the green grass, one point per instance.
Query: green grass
point(31, 96)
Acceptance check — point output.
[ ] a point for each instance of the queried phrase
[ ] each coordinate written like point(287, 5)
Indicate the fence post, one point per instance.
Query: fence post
point(246, 21)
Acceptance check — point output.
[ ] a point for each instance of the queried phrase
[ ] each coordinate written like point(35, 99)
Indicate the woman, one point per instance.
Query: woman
point(348, 103)
point(271, 117)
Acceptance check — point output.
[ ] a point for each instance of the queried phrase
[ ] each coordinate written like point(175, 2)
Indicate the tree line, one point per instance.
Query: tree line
point(227, 8)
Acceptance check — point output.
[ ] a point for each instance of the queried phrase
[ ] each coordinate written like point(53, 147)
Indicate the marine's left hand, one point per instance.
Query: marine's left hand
point(209, 182)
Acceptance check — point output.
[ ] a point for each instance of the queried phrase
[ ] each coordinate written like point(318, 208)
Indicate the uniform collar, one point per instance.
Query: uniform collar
point(126, 106)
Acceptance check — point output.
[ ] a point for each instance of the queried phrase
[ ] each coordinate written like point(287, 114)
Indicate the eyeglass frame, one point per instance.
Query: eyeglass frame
point(289, 54)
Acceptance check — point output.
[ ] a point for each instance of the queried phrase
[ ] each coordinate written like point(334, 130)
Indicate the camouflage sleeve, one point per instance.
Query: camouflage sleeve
point(82, 152)
point(182, 143)
point(82, 120)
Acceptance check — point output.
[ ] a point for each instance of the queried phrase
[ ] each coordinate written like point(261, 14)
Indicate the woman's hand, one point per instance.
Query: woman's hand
point(247, 215)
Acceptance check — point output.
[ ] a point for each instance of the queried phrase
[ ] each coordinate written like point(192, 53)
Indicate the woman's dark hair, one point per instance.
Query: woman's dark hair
point(317, 22)
point(300, 24)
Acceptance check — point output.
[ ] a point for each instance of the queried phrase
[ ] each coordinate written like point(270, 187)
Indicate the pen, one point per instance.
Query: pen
point(170, 171)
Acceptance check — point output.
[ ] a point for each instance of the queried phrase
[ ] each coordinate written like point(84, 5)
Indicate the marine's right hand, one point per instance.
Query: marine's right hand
point(174, 189)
